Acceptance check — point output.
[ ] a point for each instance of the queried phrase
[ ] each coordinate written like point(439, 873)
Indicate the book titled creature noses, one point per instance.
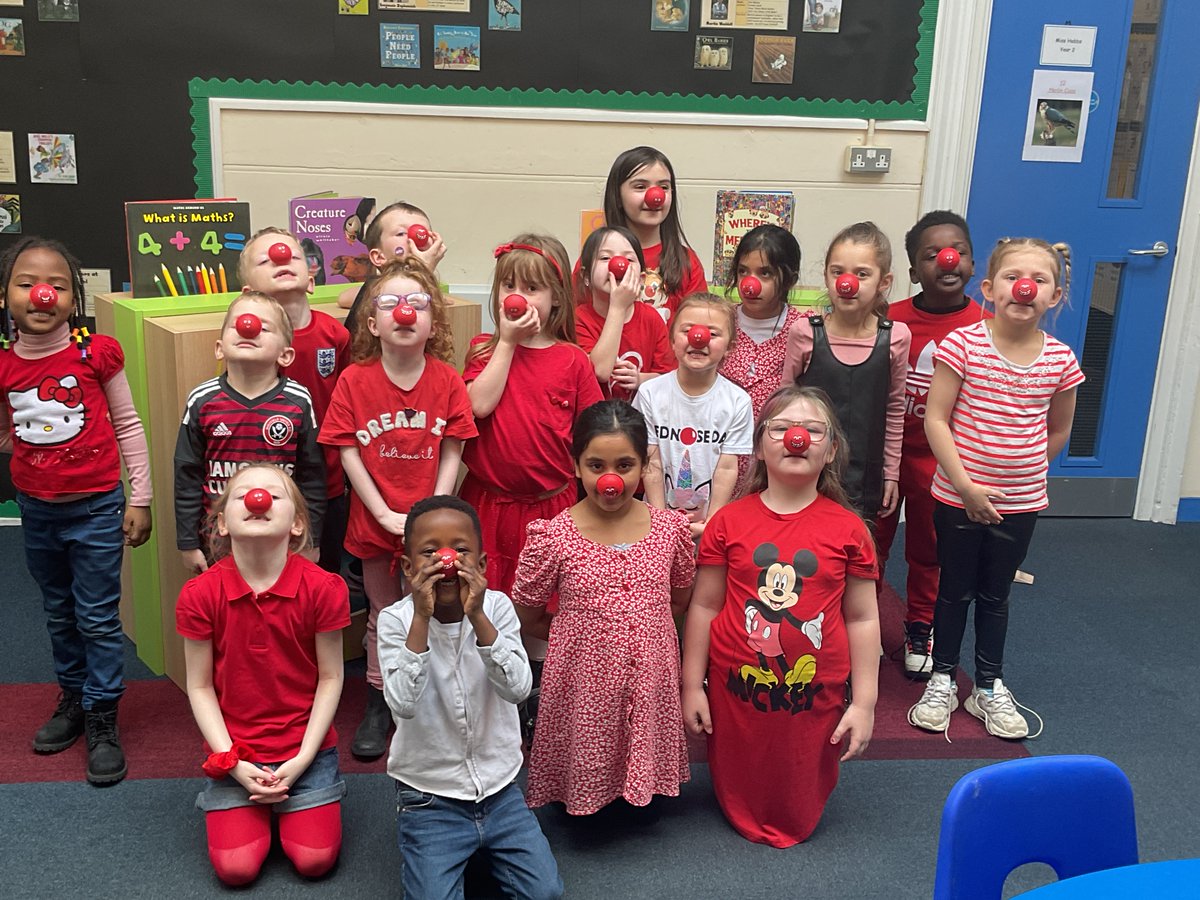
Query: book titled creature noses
point(331, 231)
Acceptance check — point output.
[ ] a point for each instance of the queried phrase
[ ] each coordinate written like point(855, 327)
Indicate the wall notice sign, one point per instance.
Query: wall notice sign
point(1068, 45)
point(1056, 124)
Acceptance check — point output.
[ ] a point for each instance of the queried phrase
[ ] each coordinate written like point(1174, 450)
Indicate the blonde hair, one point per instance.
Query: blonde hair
point(244, 256)
point(285, 323)
point(366, 346)
point(870, 235)
point(220, 544)
point(1060, 253)
point(706, 300)
point(829, 482)
point(534, 267)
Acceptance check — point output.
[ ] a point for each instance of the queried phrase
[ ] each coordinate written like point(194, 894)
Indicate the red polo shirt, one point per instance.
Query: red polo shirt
point(264, 648)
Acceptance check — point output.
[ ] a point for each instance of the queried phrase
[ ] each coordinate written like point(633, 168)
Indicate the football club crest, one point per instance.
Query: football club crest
point(326, 361)
point(278, 430)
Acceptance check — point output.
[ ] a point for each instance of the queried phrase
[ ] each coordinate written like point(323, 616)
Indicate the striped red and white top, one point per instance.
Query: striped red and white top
point(999, 419)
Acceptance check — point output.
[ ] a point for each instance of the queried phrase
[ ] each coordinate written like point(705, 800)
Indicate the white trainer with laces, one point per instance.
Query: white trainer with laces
point(918, 651)
point(997, 709)
point(932, 711)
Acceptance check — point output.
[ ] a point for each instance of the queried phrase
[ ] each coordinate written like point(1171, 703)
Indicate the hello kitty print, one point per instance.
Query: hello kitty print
point(51, 413)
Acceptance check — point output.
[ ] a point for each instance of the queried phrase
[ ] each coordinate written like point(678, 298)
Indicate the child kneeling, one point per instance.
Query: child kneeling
point(454, 670)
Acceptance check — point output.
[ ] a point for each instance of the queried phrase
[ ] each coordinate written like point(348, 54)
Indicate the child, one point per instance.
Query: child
point(699, 421)
point(387, 238)
point(399, 416)
point(322, 352)
point(249, 414)
point(672, 270)
point(782, 615)
point(609, 725)
point(262, 631)
point(1000, 408)
point(860, 359)
point(69, 425)
point(454, 670)
point(528, 384)
point(625, 340)
point(937, 309)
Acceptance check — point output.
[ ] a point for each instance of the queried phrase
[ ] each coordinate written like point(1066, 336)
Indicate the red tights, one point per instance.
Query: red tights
point(239, 840)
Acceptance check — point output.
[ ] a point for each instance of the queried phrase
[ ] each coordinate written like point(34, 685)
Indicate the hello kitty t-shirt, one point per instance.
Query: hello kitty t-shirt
point(63, 438)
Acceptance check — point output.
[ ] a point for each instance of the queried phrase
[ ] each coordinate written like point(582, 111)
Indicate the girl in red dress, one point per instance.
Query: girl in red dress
point(609, 725)
point(784, 626)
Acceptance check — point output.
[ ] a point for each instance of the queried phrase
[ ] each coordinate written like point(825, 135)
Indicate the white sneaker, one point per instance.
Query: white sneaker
point(997, 709)
point(918, 651)
point(932, 711)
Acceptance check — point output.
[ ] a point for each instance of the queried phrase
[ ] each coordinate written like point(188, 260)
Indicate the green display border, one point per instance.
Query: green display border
point(201, 90)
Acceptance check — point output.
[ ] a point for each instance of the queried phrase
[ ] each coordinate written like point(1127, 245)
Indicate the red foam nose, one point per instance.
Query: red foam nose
point(258, 501)
point(750, 287)
point(699, 336)
point(43, 296)
point(248, 325)
point(280, 254)
point(419, 235)
point(405, 315)
point(515, 306)
point(610, 485)
point(948, 259)
point(846, 286)
point(656, 197)
point(448, 556)
point(796, 440)
point(618, 265)
point(1025, 290)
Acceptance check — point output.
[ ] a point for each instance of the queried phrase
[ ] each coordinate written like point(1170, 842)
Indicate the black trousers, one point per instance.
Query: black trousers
point(978, 563)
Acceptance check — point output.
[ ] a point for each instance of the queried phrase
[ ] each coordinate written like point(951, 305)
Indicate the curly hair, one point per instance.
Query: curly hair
point(365, 346)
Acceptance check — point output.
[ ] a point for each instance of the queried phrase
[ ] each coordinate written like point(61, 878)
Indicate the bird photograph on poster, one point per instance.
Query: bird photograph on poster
point(1056, 124)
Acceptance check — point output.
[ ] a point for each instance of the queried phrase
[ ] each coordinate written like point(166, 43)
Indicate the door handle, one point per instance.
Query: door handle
point(1160, 248)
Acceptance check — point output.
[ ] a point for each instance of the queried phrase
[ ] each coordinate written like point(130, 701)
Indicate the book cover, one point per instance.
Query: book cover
point(10, 213)
point(52, 158)
point(740, 211)
point(399, 46)
point(331, 231)
point(456, 48)
point(12, 37)
point(181, 242)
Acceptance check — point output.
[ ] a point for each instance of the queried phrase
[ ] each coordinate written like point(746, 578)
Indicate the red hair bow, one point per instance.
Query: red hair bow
point(509, 248)
point(52, 389)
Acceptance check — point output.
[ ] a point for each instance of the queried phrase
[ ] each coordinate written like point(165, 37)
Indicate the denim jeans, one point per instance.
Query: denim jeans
point(73, 551)
point(438, 835)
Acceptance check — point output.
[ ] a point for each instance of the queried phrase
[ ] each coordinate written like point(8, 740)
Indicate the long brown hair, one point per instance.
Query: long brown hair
point(366, 347)
point(220, 545)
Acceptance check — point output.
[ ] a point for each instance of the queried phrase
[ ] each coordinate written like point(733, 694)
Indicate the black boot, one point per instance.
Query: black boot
point(370, 740)
point(64, 727)
point(106, 760)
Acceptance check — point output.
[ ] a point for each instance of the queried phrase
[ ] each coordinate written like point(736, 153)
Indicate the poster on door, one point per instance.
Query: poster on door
point(1056, 126)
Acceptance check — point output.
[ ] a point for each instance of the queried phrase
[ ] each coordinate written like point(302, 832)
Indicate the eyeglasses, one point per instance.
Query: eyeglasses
point(777, 429)
point(418, 300)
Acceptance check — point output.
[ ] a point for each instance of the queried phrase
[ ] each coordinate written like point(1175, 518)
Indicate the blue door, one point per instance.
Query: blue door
point(1119, 208)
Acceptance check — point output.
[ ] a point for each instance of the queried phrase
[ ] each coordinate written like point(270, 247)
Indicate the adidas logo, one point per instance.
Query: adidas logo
point(920, 377)
point(222, 430)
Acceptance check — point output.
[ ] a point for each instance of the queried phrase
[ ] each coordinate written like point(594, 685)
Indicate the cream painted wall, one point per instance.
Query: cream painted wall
point(484, 179)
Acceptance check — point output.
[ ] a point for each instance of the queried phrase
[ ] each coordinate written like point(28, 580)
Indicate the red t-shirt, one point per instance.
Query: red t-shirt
point(264, 648)
point(524, 446)
point(655, 292)
point(322, 353)
point(62, 437)
point(779, 659)
point(643, 340)
point(399, 436)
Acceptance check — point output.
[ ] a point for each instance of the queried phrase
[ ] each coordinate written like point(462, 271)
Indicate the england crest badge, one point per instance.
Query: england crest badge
point(326, 361)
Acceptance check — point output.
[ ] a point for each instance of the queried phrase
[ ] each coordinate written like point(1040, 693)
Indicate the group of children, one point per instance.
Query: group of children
point(772, 450)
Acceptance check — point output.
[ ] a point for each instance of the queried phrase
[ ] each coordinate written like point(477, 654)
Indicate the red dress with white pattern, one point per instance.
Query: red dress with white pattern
point(609, 720)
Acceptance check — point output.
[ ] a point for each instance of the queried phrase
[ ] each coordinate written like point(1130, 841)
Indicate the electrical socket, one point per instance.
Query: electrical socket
point(868, 160)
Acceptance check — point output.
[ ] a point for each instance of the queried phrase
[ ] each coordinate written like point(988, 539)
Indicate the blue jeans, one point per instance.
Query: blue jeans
point(438, 835)
point(73, 551)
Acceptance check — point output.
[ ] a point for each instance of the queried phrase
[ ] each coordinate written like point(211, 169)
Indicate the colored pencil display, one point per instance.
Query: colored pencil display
point(183, 242)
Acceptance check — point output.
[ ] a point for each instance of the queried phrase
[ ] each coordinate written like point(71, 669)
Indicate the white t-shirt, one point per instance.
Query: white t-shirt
point(691, 433)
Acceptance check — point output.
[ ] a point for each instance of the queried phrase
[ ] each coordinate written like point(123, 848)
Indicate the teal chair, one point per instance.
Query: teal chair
point(1073, 813)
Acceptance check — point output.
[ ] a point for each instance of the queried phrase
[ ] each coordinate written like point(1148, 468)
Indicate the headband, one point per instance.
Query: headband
point(509, 248)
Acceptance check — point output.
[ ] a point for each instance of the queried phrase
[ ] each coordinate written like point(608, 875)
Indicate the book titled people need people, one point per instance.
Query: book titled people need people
point(740, 211)
point(331, 231)
point(182, 247)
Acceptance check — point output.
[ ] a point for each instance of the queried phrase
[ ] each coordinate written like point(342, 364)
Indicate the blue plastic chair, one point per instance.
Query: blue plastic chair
point(1073, 813)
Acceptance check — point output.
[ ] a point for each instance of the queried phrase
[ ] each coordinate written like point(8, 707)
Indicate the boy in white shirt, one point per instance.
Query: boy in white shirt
point(454, 670)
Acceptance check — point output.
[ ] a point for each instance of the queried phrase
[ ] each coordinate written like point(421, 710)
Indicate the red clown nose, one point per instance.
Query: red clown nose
point(43, 296)
point(796, 440)
point(655, 197)
point(248, 325)
point(699, 336)
point(515, 306)
point(846, 286)
point(750, 288)
point(448, 556)
point(405, 315)
point(948, 259)
point(1025, 290)
point(618, 265)
point(610, 485)
point(258, 501)
point(419, 235)
point(280, 254)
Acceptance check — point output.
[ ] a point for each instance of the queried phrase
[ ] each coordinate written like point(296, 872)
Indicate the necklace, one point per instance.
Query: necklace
point(752, 368)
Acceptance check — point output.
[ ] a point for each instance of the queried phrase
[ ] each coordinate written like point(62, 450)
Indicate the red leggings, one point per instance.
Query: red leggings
point(240, 838)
